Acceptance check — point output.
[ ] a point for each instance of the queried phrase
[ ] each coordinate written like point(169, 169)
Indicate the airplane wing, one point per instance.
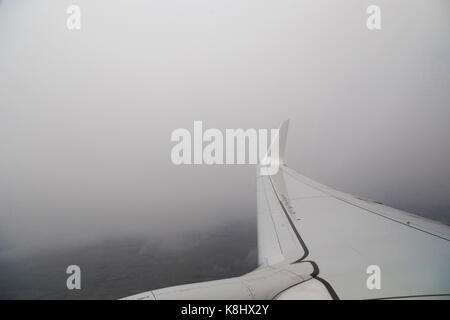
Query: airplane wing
point(318, 243)
point(342, 236)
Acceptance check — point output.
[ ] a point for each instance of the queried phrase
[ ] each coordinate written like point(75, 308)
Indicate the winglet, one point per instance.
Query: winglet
point(278, 147)
point(283, 137)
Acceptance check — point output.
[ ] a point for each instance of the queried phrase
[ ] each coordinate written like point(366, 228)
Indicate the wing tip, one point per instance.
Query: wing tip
point(284, 127)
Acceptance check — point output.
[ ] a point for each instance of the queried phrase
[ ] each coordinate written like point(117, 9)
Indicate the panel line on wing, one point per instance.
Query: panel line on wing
point(294, 229)
point(271, 216)
point(285, 223)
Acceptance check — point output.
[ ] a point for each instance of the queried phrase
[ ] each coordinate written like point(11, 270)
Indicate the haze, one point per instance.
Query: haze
point(86, 116)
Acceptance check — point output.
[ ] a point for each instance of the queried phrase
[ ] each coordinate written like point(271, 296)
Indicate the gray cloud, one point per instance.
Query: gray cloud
point(86, 116)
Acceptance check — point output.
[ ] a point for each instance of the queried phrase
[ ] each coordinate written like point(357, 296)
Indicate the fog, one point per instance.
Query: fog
point(86, 115)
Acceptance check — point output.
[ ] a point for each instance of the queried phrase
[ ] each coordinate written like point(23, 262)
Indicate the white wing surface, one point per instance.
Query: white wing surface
point(342, 236)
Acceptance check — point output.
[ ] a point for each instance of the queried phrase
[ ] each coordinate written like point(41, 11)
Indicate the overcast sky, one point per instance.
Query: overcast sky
point(86, 116)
